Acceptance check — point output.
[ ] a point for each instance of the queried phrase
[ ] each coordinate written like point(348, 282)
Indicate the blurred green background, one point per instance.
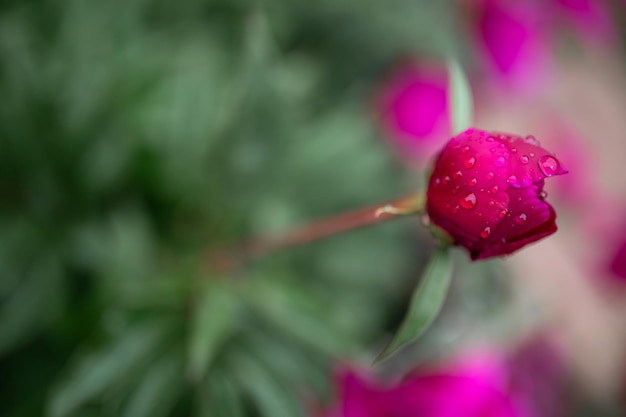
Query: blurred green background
point(140, 138)
point(138, 135)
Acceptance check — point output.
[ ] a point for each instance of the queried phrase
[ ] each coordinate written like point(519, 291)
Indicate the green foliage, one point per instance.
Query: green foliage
point(460, 97)
point(138, 136)
point(426, 302)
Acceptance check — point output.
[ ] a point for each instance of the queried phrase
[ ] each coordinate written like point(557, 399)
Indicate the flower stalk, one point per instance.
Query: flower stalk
point(256, 247)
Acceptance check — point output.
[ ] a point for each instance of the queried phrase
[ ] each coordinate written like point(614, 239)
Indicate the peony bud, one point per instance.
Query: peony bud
point(486, 192)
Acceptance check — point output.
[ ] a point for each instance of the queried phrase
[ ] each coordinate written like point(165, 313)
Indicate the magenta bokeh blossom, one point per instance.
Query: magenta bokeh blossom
point(486, 192)
point(517, 39)
point(512, 40)
point(479, 384)
point(413, 110)
point(590, 19)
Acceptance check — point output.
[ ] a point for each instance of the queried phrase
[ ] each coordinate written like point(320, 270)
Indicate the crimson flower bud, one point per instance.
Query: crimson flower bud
point(486, 192)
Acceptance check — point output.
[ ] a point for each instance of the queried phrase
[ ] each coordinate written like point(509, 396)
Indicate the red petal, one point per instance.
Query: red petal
point(467, 188)
point(529, 163)
point(528, 220)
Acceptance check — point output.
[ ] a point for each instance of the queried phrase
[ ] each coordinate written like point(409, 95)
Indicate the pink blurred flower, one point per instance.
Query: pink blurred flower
point(483, 384)
point(413, 109)
point(514, 38)
point(511, 40)
point(618, 263)
point(588, 18)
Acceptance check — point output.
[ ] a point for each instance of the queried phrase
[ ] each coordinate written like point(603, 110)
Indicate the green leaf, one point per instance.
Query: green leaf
point(94, 373)
point(271, 397)
point(157, 392)
point(460, 97)
point(426, 302)
point(221, 397)
point(299, 315)
point(213, 322)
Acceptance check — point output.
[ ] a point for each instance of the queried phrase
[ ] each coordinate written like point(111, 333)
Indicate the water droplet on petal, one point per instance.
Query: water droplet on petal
point(532, 154)
point(446, 179)
point(503, 213)
point(455, 210)
point(469, 131)
point(470, 162)
point(512, 180)
point(499, 161)
point(548, 165)
point(521, 219)
point(514, 150)
point(530, 139)
point(524, 159)
point(490, 175)
point(489, 139)
point(465, 149)
point(437, 181)
point(473, 182)
point(543, 195)
point(485, 233)
point(494, 189)
point(492, 149)
point(457, 175)
point(492, 203)
point(468, 202)
point(456, 189)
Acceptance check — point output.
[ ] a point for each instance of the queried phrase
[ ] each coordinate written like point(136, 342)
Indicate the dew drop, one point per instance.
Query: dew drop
point(548, 165)
point(499, 161)
point(437, 181)
point(490, 175)
point(521, 219)
point(513, 180)
point(492, 149)
point(470, 162)
point(503, 213)
point(514, 150)
point(465, 149)
point(456, 189)
point(473, 182)
point(455, 210)
point(469, 131)
point(446, 179)
point(457, 175)
point(532, 154)
point(530, 139)
point(489, 139)
point(485, 233)
point(524, 159)
point(468, 202)
point(494, 189)
point(543, 195)
point(492, 203)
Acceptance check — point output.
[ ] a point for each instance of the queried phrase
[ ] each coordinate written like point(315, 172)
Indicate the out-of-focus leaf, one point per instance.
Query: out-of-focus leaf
point(426, 302)
point(157, 392)
point(300, 316)
point(220, 397)
point(290, 361)
point(92, 374)
point(270, 395)
point(35, 302)
point(214, 319)
point(460, 97)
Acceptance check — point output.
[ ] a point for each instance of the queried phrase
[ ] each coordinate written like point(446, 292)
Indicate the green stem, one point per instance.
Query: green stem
point(262, 246)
